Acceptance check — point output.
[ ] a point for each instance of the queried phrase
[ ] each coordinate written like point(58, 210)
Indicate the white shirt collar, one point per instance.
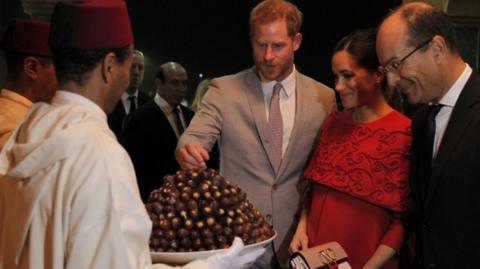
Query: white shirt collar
point(288, 83)
point(164, 105)
point(451, 97)
point(125, 95)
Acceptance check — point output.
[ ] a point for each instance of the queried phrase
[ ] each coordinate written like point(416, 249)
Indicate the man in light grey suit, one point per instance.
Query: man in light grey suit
point(265, 135)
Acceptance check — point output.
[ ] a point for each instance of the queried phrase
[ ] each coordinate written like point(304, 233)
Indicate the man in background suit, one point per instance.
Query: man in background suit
point(417, 48)
point(153, 130)
point(132, 99)
point(264, 141)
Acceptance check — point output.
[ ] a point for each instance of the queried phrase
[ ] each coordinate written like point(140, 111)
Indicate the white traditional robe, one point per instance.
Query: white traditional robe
point(68, 193)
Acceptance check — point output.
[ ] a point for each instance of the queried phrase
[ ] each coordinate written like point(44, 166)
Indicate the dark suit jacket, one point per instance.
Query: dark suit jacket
point(117, 117)
point(151, 141)
point(447, 212)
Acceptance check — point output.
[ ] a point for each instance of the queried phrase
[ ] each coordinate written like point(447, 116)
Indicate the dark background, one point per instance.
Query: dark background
point(212, 36)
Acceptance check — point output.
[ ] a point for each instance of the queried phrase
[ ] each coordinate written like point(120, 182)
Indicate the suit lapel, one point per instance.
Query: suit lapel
point(142, 99)
point(118, 111)
point(163, 121)
point(257, 106)
point(187, 114)
point(458, 123)
point(418, 145)
point(116, 119)
point(301, 109)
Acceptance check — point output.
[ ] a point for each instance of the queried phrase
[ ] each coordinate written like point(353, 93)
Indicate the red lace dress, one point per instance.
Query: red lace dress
point(360, 176)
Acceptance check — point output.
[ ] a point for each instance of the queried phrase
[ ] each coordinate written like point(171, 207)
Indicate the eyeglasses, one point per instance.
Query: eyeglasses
point(394, 65)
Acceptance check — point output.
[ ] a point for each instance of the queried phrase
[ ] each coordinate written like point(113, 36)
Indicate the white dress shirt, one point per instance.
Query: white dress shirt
point(287, 104)
point(126, 102)
point(169, 112)
point(448, 101)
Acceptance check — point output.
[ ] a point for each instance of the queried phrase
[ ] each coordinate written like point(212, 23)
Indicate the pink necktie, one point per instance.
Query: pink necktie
point(275, 126)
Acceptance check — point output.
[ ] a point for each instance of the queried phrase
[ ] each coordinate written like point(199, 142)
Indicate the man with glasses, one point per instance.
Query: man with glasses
point(394, 64)
point(416, 45)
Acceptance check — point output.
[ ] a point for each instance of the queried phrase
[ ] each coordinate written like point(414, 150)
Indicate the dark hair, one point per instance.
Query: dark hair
point(160, 74)
point(425, 21)
point(14, 62)
point(75, 64)
point(361, 45)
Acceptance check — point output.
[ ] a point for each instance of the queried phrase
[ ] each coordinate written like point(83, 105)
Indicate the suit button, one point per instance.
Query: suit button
point(274, 187)
point(268, 217)
point(426, 225)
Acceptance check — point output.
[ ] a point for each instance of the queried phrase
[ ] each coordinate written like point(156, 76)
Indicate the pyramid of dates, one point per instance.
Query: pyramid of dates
point(198, 210)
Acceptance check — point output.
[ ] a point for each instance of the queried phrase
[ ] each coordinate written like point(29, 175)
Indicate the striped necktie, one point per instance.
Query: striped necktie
point(178, 120)
point(275, 127)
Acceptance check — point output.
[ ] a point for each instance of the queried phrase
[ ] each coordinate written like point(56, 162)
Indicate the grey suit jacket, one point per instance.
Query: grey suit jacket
point(233, 112)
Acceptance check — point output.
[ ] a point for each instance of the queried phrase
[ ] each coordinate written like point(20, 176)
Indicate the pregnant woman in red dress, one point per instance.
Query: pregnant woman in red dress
point(359, 172)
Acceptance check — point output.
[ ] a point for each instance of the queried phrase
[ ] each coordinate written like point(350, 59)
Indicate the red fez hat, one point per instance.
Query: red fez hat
point(28, 37)
point(91, 25)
